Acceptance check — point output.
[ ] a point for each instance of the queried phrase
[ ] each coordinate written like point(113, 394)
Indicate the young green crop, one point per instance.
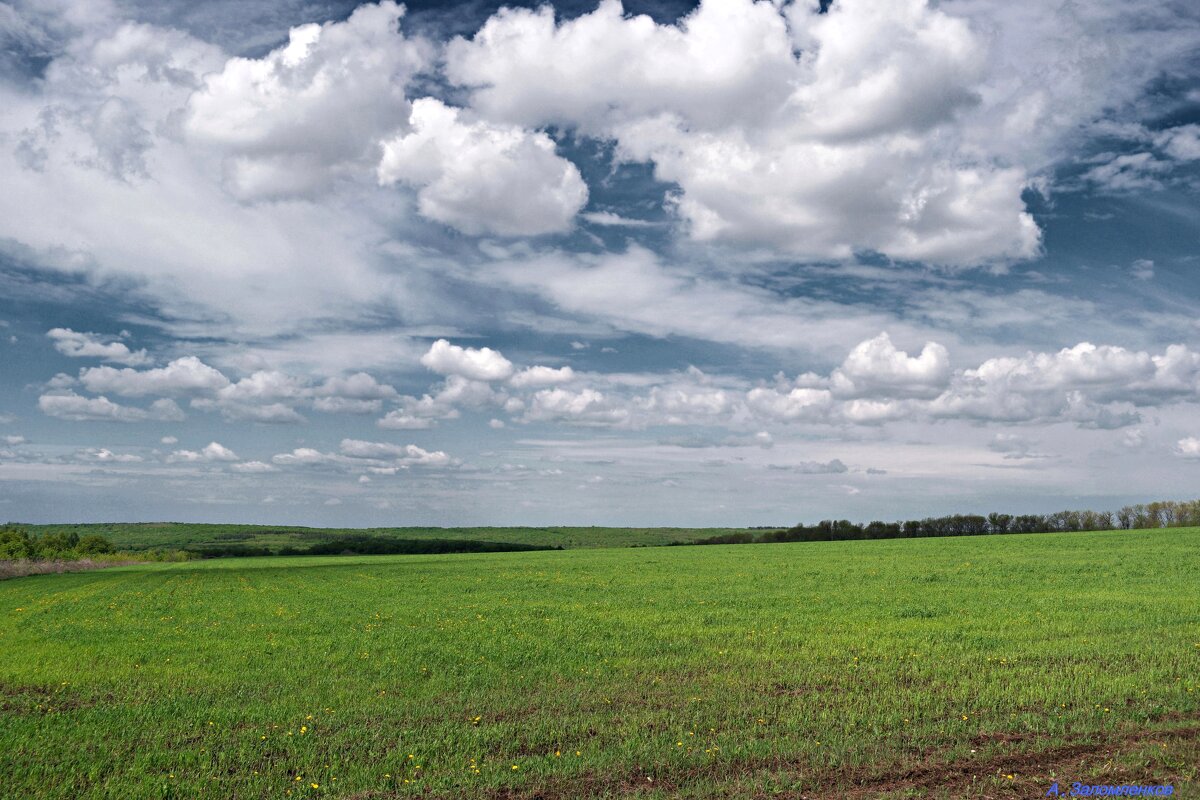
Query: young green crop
point(691, 671)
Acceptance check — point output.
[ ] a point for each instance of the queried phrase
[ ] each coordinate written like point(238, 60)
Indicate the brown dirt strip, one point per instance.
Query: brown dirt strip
point(1030, 769)
point(976, 778)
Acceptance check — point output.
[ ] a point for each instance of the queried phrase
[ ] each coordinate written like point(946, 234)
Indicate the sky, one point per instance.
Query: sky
point(734, 263)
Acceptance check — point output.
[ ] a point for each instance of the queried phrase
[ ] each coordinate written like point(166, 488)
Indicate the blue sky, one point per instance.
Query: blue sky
point(735, 263)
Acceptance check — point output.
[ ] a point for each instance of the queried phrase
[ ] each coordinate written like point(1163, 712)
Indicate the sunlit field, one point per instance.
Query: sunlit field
point(974, 666)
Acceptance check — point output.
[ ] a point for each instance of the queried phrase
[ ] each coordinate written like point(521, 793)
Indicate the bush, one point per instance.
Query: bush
point(93, 545)
point(17, 544)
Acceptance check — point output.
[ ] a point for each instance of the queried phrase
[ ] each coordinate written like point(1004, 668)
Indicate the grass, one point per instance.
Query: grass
point(967, 667)
point(146, 535)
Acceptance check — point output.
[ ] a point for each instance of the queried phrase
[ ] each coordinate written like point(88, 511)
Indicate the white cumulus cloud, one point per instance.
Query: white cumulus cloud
point(213, 451)
point(291, 120)
point(877, 366)
point(483, 364)
point(780, 125)
point(90, 345)
point(480, 177)
point(74, 407)
point(181, 376)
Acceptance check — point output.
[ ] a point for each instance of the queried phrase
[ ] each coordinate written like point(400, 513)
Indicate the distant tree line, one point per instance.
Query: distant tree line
point(1163, 514)
point(17, 544)
point(363, 545)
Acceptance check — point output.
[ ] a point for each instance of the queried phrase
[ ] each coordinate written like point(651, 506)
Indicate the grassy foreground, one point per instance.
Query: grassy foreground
point(961, 667)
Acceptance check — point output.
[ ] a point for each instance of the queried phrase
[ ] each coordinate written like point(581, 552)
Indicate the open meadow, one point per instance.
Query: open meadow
point(951, 667)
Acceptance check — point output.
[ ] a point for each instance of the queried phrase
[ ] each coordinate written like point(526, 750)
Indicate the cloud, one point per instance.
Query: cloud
point(608, 219)
point(213, 451)
point(304, 456)
point(1074, 384)
point(790, 406)
point(291, 121)
point(453, 393)
point(1130, 172)
point(1181, 143)
point(1014, 446)
point(90, 345)
point(13, 441)
point(761, 439)
point(682, 402)
point(346, 405)
point(584, 407)
point(263, 385)
point(358, 386)
point(268, 414)
point(638, 291)
point(71, 406)
point(833, 467)
point(781, 126)
point(1142, 269)
point(403, 454)
point(181, 376)
point(480, 177)
point(1082, 365)
point(193, 256)
point(400, 420)
point(104, 455)
point(252, 467)
point(482, 364)
point(372, 456)
point(266, 396)
point(541, 376)
point(877, 367)
point(863, 411)
point(1188, 447)
point(1091, 386)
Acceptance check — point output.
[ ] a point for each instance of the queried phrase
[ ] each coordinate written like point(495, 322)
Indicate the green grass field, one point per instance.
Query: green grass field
point(965, 667)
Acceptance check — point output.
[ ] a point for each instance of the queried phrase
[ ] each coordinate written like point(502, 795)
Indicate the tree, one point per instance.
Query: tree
point(16, 543)
point(93, 545)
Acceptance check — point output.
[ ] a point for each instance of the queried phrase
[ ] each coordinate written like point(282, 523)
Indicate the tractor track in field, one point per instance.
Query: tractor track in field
point(1032, 769)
